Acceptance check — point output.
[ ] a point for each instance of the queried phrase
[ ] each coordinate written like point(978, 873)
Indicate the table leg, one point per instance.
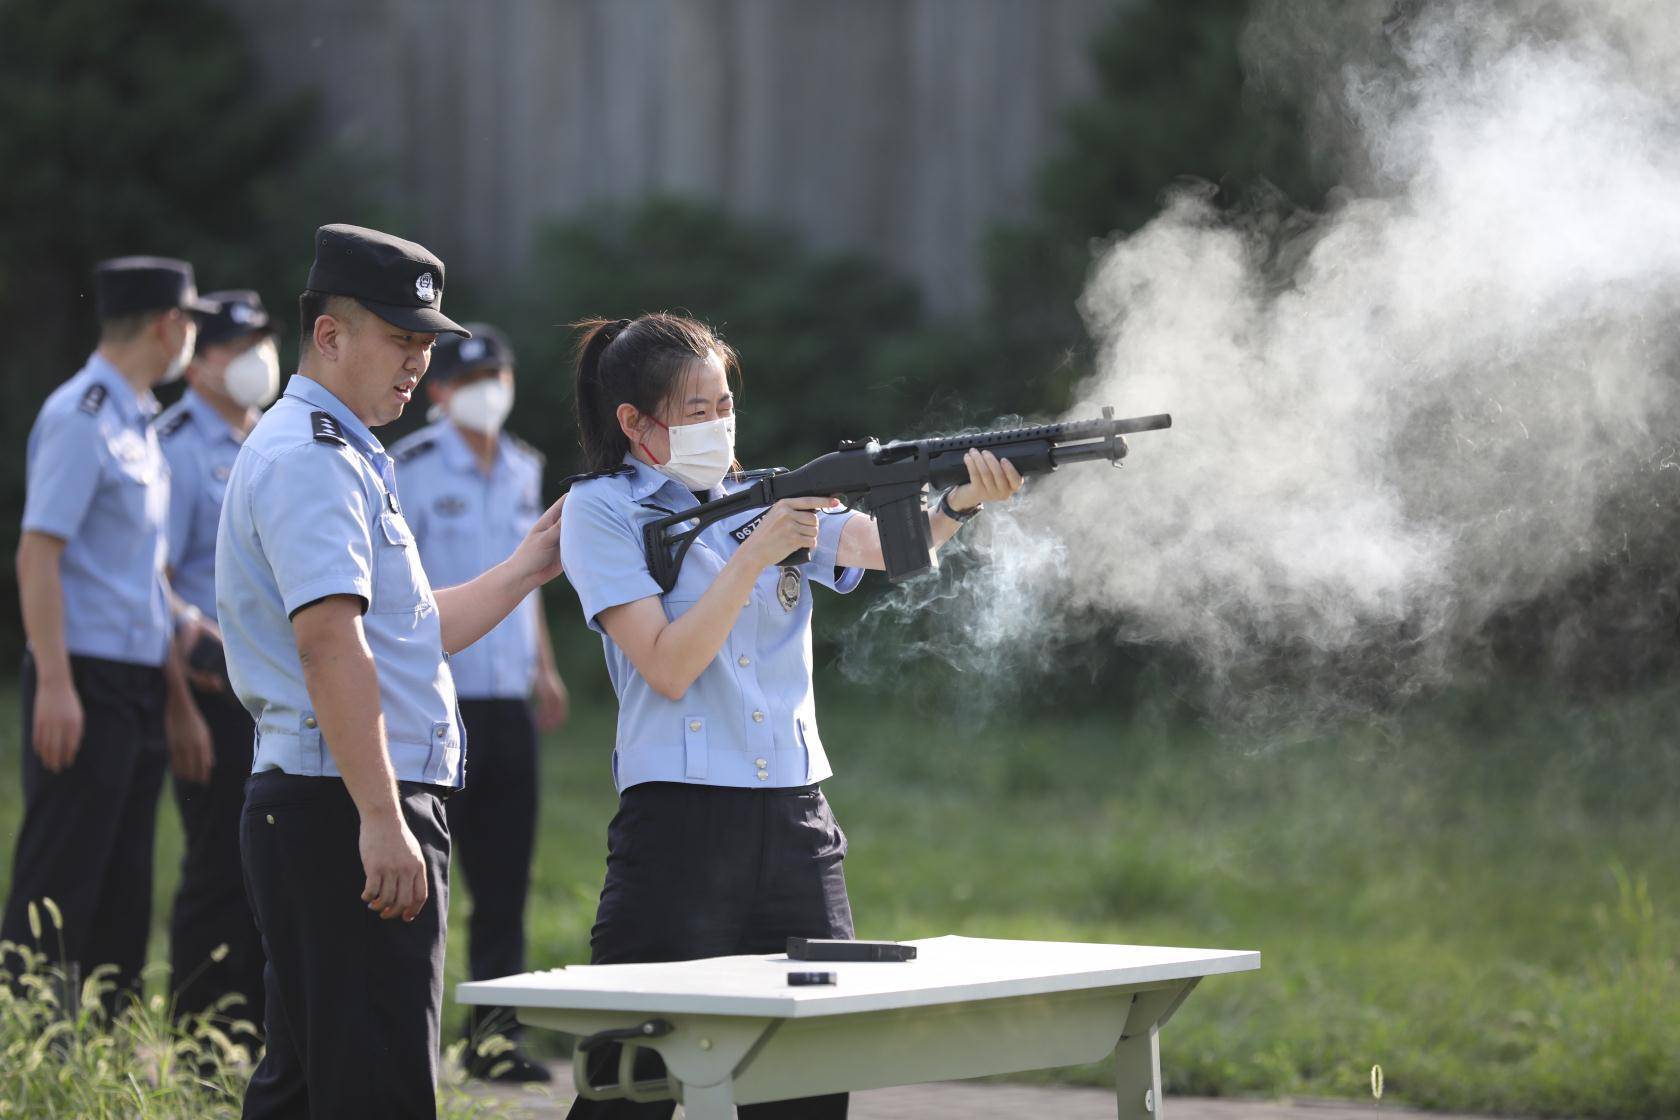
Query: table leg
point(709, 1102)
point(1137, 1076)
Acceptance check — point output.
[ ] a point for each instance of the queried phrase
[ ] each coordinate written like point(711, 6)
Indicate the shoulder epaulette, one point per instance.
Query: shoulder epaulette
point(407, 449)
point(169, 424)
point(326, 429)
point(526, 448)
point(589, 476)
point(94, 399)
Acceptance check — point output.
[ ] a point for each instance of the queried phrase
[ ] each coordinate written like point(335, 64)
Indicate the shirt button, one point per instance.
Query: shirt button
point(764, 775)
point(760, 763)
point(758, 717)
point(694, 725)
point(743, 661)
point(309, 722)
point(442, 732)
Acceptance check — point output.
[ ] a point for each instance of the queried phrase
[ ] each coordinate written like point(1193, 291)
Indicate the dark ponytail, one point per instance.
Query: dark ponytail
point(640, 362)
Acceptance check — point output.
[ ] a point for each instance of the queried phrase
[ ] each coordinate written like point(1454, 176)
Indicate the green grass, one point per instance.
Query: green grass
point(1481, 897)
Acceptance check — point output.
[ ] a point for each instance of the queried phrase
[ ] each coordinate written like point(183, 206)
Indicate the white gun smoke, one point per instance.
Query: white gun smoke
point(1442, 396)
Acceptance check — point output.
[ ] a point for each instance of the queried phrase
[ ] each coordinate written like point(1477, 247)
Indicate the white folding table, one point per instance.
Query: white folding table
point(731, 1030)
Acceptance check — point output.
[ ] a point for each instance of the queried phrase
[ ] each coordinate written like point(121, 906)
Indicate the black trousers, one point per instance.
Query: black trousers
point(352, 1001)
point(210, 906)
point(87, 834)
point(493, 824)
point(707, 871)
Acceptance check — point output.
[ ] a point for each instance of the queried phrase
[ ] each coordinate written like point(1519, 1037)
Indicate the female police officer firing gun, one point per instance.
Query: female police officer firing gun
point(723, 842)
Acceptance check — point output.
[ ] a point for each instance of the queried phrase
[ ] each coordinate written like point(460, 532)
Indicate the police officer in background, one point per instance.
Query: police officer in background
point(473, 491)
point(336, 644)
point(101, 686)
point(235, 372)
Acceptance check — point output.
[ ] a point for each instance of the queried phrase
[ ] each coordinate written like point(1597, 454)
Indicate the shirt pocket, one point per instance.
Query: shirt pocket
point(400, 585)
point(142, 489)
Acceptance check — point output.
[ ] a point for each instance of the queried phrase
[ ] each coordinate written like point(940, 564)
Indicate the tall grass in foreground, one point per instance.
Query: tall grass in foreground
point(62, 1054)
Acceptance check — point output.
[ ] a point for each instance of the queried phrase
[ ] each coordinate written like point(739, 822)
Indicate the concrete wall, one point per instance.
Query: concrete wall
point(899, 127)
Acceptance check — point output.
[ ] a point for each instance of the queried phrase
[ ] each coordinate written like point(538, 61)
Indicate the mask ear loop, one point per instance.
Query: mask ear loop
point(648, 451)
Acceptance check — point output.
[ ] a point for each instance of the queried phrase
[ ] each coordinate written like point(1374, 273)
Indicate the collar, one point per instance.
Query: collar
point(459, 454)
point(312, 392)
point(205, 413)
point(135, 408)
point(647, 480)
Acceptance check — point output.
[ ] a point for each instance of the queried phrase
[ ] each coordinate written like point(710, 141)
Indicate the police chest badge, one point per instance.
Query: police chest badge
point(787, 589)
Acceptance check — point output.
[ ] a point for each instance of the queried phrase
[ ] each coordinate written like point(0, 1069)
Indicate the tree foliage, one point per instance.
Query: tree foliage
point(827, 340)
point(1171, 103)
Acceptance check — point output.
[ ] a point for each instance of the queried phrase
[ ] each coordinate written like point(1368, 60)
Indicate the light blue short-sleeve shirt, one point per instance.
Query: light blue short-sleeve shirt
point(312, 510)
point(97, 480)
point(201, 448)
point(467, 521)
point(750, 719)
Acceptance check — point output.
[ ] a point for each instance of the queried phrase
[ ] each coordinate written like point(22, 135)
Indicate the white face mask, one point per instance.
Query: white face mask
point(482, 406)
point(178, 366)
point(252, 379)
point(701, 453)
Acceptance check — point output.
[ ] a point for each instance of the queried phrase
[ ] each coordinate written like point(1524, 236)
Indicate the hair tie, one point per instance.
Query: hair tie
point(616, 329)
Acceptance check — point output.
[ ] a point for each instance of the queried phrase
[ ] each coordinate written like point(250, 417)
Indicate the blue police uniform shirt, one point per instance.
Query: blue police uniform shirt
point(749, 719)
point(201, 448)
point(312, 511)
point(467, 522)
point(97, 480)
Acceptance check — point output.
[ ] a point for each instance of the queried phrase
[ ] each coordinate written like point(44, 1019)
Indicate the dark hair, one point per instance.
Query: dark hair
point(311, 306)
point(639, 362)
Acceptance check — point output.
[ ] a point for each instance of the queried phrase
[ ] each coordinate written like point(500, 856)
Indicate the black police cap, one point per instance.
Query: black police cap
point(485, 348)
point(239, 312)
point(131, 285)
point(397, 280)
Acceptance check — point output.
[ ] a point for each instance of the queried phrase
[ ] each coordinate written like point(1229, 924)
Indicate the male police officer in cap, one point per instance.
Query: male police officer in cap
point(336, 644)
point(214, 948)
point(473, 491)
point(100, 687)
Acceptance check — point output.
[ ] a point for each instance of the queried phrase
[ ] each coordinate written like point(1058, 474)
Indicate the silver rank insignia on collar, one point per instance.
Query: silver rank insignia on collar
point(787, 589)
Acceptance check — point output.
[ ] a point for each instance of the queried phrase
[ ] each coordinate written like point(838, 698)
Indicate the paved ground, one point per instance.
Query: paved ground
point(955, 1100)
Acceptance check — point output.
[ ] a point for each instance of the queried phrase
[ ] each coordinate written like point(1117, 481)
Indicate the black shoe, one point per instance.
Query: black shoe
point(508, 1067)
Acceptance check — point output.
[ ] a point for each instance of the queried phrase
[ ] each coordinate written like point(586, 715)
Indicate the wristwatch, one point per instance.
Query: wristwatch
point(959, 516)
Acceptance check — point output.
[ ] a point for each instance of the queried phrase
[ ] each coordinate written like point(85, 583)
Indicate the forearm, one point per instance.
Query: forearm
point(860, 540)
point(339, 672)
point(41, 593)
point(176, 690)
point(941, 528)
point(545, 645)
point(689, 644)
point(468, 611)
point(179, 609)
point(671, 655)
